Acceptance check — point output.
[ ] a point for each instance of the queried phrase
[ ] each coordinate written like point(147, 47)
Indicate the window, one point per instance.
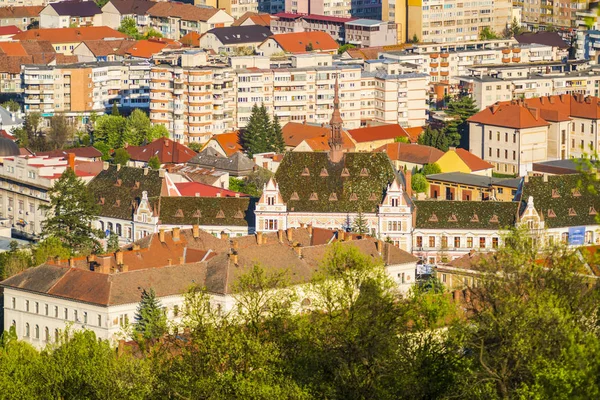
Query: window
point(443, 278)
point(495, 243)
point(27, 330)
point(99, 320)
point(394, 202)
point(14, 303)
point(506, 154)
point(123, 320)
point(444, 241)
point(271, 224)
point(490, 151)
point(482, 242)
point(470, 242)
point(497, 153)
point(55, 311)
point(46, 334)
point(37, 307)
point(85, 317)
point(75, 316)
point(506, 137)
point(46, 309)
point(431, 241)
point(37, 331)
point(56, 335)
point(118, 229)
point(66, 313)
point(271, 200)
point(456, 241)
point(514, 155)
point(27, 305)
point(419, 241)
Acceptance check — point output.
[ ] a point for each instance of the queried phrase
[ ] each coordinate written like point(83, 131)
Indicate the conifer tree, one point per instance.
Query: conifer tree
point(359, 225)
point(278, 143)
point(150, 319)
point(265, 130)
point(254, 139)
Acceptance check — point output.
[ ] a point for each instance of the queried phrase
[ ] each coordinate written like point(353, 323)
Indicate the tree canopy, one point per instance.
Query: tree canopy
point(262, 135)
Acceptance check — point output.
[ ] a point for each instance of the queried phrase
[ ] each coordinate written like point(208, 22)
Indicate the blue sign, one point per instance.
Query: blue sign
point(107, 233)
point(576, 235)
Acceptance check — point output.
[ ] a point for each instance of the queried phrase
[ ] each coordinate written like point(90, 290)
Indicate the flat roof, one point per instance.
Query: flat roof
point(474, 180)
point(366, 22)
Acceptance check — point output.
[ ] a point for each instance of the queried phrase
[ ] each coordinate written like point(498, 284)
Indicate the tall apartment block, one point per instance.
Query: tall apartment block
point(370, 9)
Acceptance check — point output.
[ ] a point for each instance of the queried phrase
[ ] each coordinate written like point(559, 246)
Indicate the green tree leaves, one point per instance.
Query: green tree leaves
point(261, 135)
point(150, 319)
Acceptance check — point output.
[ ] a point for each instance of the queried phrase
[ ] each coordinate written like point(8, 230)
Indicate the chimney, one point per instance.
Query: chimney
point(176, 233)
point(298, 250)
point(348, 237)
point(105, 165)
point(103, 264)
point(234, 257)
point(280, 235)
point(135, 247)
point(551, 99)
point(161, 235)
point(161, 173)
point(224, 235)
point(341, 234)
point(145, 171)
point(181, 260)
point(124, 268)
point(169, 261)
point(119, 257)
point(494, 108)
point(545, 178)
point(71, 161)
point(195, 231)
point(259, 238)
point(71, 262)
point(118, 167)
point(379, 245)
point(408, 179)
point(290, 234)
point(310, 229)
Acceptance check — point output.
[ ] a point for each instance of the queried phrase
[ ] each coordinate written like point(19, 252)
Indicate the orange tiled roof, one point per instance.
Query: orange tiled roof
point(70, 35)
point(412, 153)
point(514, 114)
point(165, 149)
point(12, 49)
point(297, 42)
point(101, 48)
point(257, 18)
point(561, 107)
point(473, 162)
point(380, 132)
point(321, 143)
point(186, 12)
point(20, 12)
point(414, 133)
point(295, 133)
point(229, 142)
point(192, 39)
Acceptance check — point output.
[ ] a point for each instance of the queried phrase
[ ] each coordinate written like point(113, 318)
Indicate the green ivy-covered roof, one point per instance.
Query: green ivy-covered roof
point(117, 199)
point(213, 211)
point(564, 200)
point(432, 214)
point(303, 187)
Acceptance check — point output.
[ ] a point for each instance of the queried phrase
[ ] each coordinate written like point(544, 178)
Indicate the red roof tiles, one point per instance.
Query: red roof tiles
point(411, 153)
point(9, 30)
point(297, 42)
point(167, 151)
point(512, 114)
point(198, 189)
point(70, 35)
point(229, 142)
point(380, 132)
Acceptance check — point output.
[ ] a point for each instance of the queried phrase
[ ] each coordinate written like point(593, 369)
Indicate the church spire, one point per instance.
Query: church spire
point(335, 137)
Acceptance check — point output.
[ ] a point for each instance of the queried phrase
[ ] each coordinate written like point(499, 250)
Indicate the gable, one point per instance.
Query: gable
point(451, 162)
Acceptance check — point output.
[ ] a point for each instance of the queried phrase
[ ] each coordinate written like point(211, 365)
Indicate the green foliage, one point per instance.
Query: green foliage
point(114, 131)
point(514, 29)
point(463, 108)
point(101, 3)
point(121, 157)
point(430, 169)
point(154, 162)
point(309, 47)
point(115, 110)
point(343, 48)
point(487, 34)
point(14, 261)
point(49, 248)
point(261, 135)
point(112, 244)
point(70, 214)
point(104, 149)
point(243, 186)
point(434, 138)
point(129, 27)
point(401, 139)
point(360, 225)
point(194, 146)
point(152, 33)
point(415, 39)
point(419, 183)
point(150, 318)
point(12, 106)
point(276, 141)
point(61, 131)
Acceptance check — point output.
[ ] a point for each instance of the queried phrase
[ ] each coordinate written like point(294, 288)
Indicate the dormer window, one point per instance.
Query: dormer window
point(394, 201)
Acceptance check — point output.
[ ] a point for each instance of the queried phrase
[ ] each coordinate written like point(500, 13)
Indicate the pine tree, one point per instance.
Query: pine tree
point(359, 225)
point(70, 213)
point(150, 318)
point(278, 143)
point(115, 110)
point(452, 133)
point(254, 139)
point(112, 244)
point(265, 130)
point(434, 138)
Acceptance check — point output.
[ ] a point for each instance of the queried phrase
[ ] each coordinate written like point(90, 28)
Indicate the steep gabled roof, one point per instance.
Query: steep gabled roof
point(473, 162)
point(103, 48)
point(262, 19)
point(513, 114)
point(76, 8)
point(132, 7)
point(150, 47)
point(241, 34)
point(229, 142)
point(118, 192)
point(167, 151)
point(20, 12)
point(236, 163)
point(491, 215)
point(9, 30)
point(300, 174)
point(197, 189)
point(295, 133)
point(299, 41)
point(186, 12)
point(207, 211)
point(379, 132)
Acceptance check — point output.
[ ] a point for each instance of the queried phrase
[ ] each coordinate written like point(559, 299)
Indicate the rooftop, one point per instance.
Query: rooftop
point(474, 180)
point(229, 142)
point(241, 34)
point(76, 8)
point(299, 41)
point(366, 22)
point(167, 151)
point(183, 11)
point(314, 17)
point(375, 133)
point(70, 35)
point(488, 215)
point(411, 153)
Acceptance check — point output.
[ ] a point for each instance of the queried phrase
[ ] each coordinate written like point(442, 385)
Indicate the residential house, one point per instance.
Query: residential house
point(461, 160)
point(146, 49)
point(235, 39)
point(7, 32)
point(71, 14)
point(235, 8)
point(115, 11)
point(269, 161)
point(101, 293)
point(65, 40)
point(194, 173)
point(20, 16)
point(175, 20)
point(293, 23)
point(226, 144)
point(167, 151)
point(238, 164)
point(471, 187)
point(371, 33)
point(10, 120)
point(409, 156)
point(373, 137)
point(103, 50)
point(89, 153)
point(253, 18)
point(298, 43)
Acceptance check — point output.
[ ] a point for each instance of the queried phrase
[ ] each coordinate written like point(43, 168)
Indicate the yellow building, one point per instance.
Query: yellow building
point(470, 187)
point(461, 160)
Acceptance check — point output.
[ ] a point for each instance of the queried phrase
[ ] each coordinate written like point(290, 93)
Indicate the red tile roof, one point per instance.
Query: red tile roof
point(103, 48)
point(192, 39)
point(297, 42)
point(186, 12)
point(12, 49)
point(9, 30)
point(7, 135)
point(257, 18)
point(167, 151)
point(150, 47)
point(20, 12)
point(70, 35)
point(81, 152)
point(229, 142)
point(561, 107)
point(513, 114)
point(411, 153)
point(202, 190)
point(473, 162)
point(295, 133)
point(321, 143)
point(380, 132)
point(414, 133)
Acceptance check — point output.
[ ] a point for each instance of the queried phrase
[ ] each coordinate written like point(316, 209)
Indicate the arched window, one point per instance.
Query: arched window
point(14, 323)
point(118, 229)
point(37, 331)
point(101, 225)
point(109, 226)
point(27, 330)
point(47, 334)
point(56, 335)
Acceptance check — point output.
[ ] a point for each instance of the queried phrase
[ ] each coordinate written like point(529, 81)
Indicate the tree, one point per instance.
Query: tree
point(276, 141)
point(463, 108)
point(309, 47)
point(515, 29)
point(121, 157)
point(35, 140)
point(434, 138)
point(150, 319)
point(61, 131)
point(154, 162)
point(113, 131)
point(401, 139)
point(487, 34)
point(430, 169)
point(14, 261)
point(112, 244)
point(195, 146)
point(452, 133)
point(115, 110)
point(254, 139)
point(152, 33)
point(156, 132)
point(12, 106)
point(104, 149)
point(50, 248)
point(139, 125)
point(70, 214)
point(360, 223)
point(129, 27)
point(343, 48)
point(419, 183)
point(415, 39)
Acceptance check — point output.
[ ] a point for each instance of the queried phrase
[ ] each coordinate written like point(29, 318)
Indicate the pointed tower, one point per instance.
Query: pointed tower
point(335, 138)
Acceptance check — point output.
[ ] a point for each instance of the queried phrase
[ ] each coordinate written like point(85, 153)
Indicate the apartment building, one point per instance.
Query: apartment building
point(539, 14)
point(449, 21)
point(78, 90)
point(197, 100)
point(235, 8)
point(336, 8)
point(371, 33)
point(115, 11)
point(19, 16)
point(24, 184)
point(271, 6)
point(290, 22)
point(514, 135)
